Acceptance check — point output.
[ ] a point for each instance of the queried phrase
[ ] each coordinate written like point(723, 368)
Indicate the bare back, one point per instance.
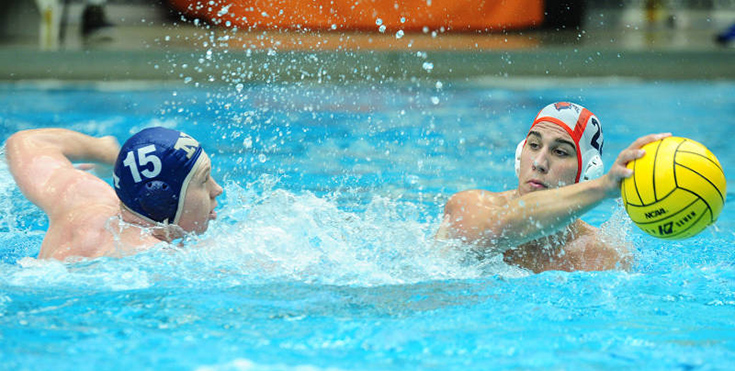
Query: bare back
point(78, 204)
point(77, 225)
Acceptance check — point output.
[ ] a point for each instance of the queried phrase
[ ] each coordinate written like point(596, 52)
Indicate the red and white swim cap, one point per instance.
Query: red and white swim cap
point(584, 128)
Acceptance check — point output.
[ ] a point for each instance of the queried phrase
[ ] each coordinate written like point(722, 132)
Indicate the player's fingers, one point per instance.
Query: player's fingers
point(628, 155)
point(642, 141)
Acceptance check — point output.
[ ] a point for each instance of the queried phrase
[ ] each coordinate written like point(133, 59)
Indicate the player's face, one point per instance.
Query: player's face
point(548, 160)
point(200, 199)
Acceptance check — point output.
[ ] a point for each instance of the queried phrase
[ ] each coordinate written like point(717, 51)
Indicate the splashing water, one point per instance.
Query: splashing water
point(307, 238)
point(323, 254)
point(277, 236)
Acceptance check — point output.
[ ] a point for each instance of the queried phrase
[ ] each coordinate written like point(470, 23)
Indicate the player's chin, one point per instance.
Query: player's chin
point(203, 228)
point(200, 227)
point(534, 187)
point(524, 190)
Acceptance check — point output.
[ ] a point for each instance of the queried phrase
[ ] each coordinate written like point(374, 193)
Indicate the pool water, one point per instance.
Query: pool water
point(323, 257)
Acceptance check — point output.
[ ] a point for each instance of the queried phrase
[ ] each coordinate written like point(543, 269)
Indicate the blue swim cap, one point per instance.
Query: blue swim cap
point(153, 171)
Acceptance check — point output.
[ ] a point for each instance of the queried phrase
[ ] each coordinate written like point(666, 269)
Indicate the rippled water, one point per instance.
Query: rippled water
point(323, 255)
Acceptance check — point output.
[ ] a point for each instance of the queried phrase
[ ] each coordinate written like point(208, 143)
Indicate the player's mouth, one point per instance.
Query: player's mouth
point(537, 184)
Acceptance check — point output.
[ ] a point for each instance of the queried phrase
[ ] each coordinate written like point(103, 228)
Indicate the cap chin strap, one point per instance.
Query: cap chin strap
point(519, 149)
point(154, 223)
point(593, 169)
point(165, 230)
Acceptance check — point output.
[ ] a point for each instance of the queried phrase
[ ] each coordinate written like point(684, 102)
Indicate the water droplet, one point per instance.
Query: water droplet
point(381, 28)
point(223, 11)
point(428, 66)
point(435, 100)
point(262, 158)
point(378, 21)
point(439, 85)
point(399, 34)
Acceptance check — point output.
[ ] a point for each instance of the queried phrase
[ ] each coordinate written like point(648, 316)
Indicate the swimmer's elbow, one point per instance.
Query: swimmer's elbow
point(16, 151)
point(462, 202)
point(13, 144)
point(451, 205)
point(20, 146)
point(469, 218)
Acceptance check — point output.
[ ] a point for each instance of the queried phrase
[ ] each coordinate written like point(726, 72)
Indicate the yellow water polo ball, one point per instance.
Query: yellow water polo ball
point(677, 189)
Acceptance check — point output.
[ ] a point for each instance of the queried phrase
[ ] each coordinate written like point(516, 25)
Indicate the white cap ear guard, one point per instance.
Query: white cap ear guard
point(593, 168)
point(519, 149)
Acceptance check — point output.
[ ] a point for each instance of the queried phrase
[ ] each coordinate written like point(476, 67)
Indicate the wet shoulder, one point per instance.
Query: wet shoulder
point(82, 232)
point(480, 197)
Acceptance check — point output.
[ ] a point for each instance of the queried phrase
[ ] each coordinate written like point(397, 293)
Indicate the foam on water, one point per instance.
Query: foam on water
point(20, 223)
point(323, 254)
point(242, 364)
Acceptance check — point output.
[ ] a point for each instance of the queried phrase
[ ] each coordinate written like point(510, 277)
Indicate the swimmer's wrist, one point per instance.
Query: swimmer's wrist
point(102, 150)
point(109, 149)
point(606, 186)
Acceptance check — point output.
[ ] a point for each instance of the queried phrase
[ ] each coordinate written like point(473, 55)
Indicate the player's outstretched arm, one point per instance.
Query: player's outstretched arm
point(493, 221)
point(40, 160)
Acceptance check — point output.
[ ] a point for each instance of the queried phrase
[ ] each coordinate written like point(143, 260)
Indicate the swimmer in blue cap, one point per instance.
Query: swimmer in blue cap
point(560, 177)
point(162, 189)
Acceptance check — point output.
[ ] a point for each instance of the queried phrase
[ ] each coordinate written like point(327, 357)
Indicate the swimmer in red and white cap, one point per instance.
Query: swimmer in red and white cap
point(560, 177)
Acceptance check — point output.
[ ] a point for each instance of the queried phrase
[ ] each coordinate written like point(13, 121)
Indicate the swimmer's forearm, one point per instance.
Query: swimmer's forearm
point(73, 145)
point(540, 214)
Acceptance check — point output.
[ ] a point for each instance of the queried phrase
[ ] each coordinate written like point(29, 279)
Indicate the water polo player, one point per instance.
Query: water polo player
point(162, 189)
point(560, 177)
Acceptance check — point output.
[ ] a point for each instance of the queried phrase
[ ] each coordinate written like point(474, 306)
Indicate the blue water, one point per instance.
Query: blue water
point(322, 257)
